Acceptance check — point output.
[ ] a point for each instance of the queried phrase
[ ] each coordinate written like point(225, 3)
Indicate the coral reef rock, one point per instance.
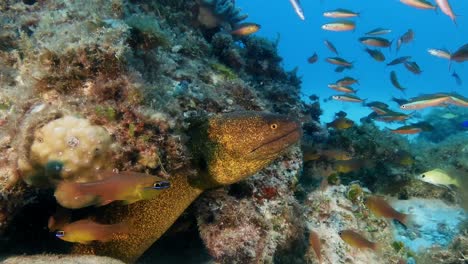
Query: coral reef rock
point(62, 259)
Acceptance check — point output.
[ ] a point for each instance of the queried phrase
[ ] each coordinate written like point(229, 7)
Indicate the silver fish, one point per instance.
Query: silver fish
point(297, 8)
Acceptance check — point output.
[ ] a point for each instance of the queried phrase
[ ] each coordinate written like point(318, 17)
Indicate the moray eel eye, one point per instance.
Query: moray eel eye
point(161, 185)
point(274, 126)
point(60, 233)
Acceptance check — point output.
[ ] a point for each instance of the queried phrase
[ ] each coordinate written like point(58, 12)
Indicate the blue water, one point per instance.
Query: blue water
point(300, 39)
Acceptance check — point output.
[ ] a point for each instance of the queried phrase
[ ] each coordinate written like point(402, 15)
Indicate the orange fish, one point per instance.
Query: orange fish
point(425, 101)
point(341, 123)
point(356, 240)
point(413, 128)
point(407, 130)
point(86, 231)
point(124, 186)
point(342, 88)
point(375, 41)
point(315, 244)
point(379, 207)
point(245, 29)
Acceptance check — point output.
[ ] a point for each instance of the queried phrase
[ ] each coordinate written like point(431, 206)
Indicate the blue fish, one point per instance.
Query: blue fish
point(464, 124)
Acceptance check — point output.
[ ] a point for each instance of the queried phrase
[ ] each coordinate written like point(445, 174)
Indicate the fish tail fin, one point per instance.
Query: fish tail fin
point(377, 247)
point(406, 219)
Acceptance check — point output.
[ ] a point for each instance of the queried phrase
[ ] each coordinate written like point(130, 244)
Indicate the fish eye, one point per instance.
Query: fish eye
point(60, 233)
point(403, 106)
point(161, 185)
point(274, 126)
point(339, 233)
point(423, 175)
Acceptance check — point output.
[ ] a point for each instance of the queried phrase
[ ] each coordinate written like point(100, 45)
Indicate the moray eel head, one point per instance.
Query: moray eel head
point(234, 146)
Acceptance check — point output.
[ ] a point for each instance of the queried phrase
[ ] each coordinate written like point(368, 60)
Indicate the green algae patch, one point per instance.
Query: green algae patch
point(227, 73)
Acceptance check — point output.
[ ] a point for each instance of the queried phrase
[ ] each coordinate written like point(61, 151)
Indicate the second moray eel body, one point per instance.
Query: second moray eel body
point(227, 149)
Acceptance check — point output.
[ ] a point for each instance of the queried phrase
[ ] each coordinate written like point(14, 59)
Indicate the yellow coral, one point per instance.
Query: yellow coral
point(80, 148)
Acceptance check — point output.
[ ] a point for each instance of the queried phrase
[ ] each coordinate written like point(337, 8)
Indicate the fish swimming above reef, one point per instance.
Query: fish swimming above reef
point(457, 78)
point(444, 5)
point(424, 101)
point(375, 54)
point(86, 231)
point(378, 107)
point(461, 54)
point(420, 4)
point(339, 61)
point(297, 8)
point(124, 186)
point(438, 177)
point(412, 67)
point(313, 59)
point(406, 38)
point(245, 29)
point(381, 208)
point(378, 31)
point(399, 60)
point(341, 123)
point(341, 88)
point(341, 25)
point(394, 81)
point(347, 98)
point(340, 13)
point(356, 240)
point(390, 116)
point(375, 42)
point(413, 128)
point(347, 81)
point(330, 46)
point(440, 53)
point(457, 99)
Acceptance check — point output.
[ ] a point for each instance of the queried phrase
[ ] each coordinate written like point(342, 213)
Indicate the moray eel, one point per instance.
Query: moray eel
point(227, 148)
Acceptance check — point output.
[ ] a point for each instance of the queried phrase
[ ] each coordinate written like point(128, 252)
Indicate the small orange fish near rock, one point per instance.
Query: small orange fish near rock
point(245, 29)
point(86, 231)
point(379, 207)
point(357, 240)
point(315, 244)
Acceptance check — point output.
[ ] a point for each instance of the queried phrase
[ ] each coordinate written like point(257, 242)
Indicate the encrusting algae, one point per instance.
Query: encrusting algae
point(231, 147)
